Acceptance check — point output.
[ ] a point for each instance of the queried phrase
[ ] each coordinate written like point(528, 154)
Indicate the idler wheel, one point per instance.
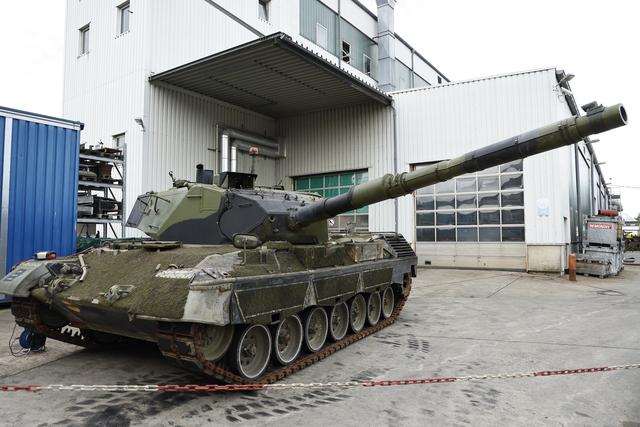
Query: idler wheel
point(216, 340)
point(252, 351)
point(374, 308)
point(357, 313)
point(287, 340)
point(316, 326)
point(388, 302)
point(338, 321)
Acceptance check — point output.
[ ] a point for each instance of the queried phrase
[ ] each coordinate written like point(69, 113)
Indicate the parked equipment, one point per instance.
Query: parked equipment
point(602, 246)
point(246, 284)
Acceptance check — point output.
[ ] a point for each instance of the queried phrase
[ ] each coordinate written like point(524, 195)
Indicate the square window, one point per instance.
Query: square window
point(424, 203)
point(263, 10)
point(489, 217)
point(513, 216)
point(425, 219)
point(488, 183)
point(513, 234)
point(347, 180)
point(425, 234)
point(322, 36)
point(467, 218)
point(466, 201)
point(511, 181)
point(84, 40)
point(346, 52)
point(467, 234)
point(361, 177)
point(316, 182)
point(425, 190)
point(446, 187)
point(465, 185)
point(124, 14)
point(331, 181)
point(488, 200)
point(489, 234)
point(301, 184)
point(513, 199)
point(445, 202)
point(446, 218)
point(445, 234)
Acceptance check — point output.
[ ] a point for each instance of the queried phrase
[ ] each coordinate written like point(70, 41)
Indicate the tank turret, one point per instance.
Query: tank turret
point(200, 213)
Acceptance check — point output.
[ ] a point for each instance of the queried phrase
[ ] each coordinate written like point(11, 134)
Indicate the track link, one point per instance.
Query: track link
point(183, 343)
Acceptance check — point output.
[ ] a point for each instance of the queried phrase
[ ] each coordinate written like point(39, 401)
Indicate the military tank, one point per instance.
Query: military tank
point(246, 284)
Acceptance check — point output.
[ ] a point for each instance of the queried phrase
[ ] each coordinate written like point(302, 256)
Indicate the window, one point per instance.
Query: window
point(263, 10)
point(366, 62)
point(322, 36)
point(84, 40)
point(487, 206)
point(118, 140)
point(329, 185)
point(346, 52)
point(123, 18)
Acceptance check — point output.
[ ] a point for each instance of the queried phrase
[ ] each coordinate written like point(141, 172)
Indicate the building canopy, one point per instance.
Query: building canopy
point(274, 76)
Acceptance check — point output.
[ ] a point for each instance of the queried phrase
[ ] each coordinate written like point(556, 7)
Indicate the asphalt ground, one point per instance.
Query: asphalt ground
point(456, 322)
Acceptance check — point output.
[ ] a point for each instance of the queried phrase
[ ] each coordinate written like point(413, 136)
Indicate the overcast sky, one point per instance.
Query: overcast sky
point(596, 40)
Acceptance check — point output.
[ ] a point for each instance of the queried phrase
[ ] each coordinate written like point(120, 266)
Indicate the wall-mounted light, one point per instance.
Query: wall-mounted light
point(139, 121)
point(566, 78)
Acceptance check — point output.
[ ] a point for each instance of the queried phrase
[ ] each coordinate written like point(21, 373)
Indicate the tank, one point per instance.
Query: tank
point(246, 284)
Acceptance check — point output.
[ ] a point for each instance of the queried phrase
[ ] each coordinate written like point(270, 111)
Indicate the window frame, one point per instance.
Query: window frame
point(84, 40)
point(326, 34)
point(345, 54)
point(123, 8)
point(426, 202)
point(367, 60)
point(117, 138)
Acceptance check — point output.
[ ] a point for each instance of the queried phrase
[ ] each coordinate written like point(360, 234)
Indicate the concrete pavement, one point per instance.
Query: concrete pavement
point(455, 323)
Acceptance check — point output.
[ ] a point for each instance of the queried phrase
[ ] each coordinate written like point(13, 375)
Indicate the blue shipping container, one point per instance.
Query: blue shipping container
point(39, 170)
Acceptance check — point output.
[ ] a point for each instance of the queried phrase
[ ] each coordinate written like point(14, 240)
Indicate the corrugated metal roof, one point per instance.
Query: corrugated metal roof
point(39, 118)
point(274, 76)
point(499, 76)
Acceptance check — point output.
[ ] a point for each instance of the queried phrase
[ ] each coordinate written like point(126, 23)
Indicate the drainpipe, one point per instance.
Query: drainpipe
point(339, 35)
point(386, 45)
point(576, 159)
point(395, 162)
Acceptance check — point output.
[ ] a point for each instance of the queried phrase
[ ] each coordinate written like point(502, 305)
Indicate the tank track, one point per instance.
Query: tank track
point(26, 313)
point(183, 344)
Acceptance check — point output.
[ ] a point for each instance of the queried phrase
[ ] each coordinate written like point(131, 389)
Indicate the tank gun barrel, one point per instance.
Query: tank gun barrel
point(565, 132)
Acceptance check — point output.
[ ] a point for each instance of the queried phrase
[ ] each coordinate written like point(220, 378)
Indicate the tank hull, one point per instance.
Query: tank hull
point(141, 293)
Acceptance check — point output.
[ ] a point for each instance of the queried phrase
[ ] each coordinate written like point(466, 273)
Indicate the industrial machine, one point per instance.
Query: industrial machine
point(602, 245)
point(246, 284)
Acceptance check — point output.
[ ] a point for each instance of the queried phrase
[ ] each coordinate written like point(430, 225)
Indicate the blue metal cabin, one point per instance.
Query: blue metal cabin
point(39, 172)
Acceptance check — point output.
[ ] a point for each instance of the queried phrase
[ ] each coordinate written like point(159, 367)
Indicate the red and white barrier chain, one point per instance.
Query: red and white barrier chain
point(287, 386)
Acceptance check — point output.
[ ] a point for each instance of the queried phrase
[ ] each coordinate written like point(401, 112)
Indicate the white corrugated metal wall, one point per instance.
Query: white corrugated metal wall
point(359, 137)
point(183, 131)
point(441, 122)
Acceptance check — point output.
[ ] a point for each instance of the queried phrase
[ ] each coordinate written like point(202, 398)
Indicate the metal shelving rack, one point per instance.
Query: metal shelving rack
point(105, 189)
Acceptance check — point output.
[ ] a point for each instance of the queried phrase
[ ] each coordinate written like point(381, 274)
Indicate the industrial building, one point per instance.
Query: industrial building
point(331, 96)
